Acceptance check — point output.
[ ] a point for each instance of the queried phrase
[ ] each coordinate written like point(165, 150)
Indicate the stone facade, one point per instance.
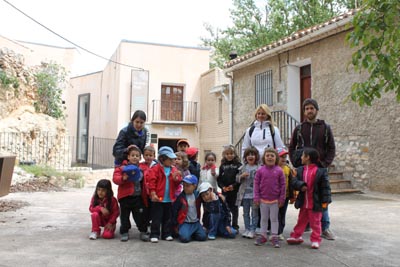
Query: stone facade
point(367, 138)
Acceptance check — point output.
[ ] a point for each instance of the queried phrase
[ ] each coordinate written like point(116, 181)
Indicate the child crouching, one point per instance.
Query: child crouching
point(216, 217)
point(186, 212)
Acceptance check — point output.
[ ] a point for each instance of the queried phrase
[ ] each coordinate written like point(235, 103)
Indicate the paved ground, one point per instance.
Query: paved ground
point(53, 231)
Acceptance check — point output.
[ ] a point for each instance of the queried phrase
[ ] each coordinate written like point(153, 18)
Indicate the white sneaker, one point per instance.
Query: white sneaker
point(315, 245)
point(281, 237)
point(169, 238)
point(93, 236)
point(245, 233)
point(251, 234)
point(154, 240)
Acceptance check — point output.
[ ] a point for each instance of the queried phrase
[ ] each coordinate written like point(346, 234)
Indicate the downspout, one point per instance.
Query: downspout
point(230, 77)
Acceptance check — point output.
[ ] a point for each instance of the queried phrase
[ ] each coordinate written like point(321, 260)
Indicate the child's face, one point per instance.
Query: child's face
point(210, 161)
point(178, 161)
point(182, 147)
point(305, 159)
point(101, 192)
point(148, 156)
point(270, 159)
point(208, 195)
point(282, 160)
point(134, 157)
point(188, 188)
point(168, 162)
point(229, 155)
point(251, 159)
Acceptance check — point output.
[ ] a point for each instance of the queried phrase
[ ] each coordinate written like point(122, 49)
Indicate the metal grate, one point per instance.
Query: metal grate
point(264, 92)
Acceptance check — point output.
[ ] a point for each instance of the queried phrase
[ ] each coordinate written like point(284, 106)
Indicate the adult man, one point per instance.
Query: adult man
point(317, 134)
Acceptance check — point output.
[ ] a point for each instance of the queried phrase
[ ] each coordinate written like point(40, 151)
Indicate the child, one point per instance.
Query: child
point(289, 192)
point(104, 210)
point(182, 145)
point(182, 164)
point(194, 166)
point(269, 194)
point(315, 195)
point(149, 154)
point(245, 194)
point(163, 179)
point(209, 171)
point(228, 170)
point(216, 217)
point(131, 195)
point(186, 212)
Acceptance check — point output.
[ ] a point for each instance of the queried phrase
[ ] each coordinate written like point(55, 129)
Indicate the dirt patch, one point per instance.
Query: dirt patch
point(11, 205)
point(34, 186)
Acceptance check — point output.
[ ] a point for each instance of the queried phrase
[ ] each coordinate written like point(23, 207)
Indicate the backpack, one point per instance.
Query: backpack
point(270, 129)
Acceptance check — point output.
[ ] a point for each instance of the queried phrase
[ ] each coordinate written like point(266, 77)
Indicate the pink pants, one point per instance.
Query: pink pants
point(308, 216)
point(97, 221)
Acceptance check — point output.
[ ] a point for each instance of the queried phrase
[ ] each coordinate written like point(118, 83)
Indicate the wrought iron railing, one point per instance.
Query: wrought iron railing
point(59, 152)
point(284, 121)
point(174, 111)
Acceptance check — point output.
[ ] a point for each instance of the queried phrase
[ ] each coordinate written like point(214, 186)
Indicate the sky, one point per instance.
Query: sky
point(100, 25)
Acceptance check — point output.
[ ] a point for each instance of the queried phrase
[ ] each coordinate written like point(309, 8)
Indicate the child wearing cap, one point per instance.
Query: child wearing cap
point(216, 217)
point(194, 166)
point(186, 212)
point(182, 145)
point(163, 180)
point(131, 194)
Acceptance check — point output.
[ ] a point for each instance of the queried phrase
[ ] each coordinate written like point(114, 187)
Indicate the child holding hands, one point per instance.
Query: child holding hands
point(104, 210)
point(269, 194)
point(315, 195)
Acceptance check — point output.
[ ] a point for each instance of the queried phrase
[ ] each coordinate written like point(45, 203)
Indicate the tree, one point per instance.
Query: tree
point(376, 36)
point(50, 80)
point(254, 26)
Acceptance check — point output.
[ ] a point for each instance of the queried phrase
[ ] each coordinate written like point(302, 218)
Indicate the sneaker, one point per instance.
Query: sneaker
point(275, 242)
point(281, 237)
point(315, 245)
point(245, 233)
point(251, 234)
point(294, 241)
point(144, 236)
point(169, 238)
point(258, 231)
point(211, 237)
point(261, 240)
point(154, 240)
point(327, 234)
point(124, 237)
point(93, 236)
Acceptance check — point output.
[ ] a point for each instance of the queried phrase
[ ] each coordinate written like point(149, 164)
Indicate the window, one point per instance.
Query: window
point(264, 88)
point(220, 109)
point(171, 102)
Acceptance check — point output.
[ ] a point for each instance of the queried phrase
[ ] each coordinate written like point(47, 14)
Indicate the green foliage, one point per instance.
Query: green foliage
point(47, 171)
point(254, 27)
point(50, 80)
point(8, 81)
point(376, 36)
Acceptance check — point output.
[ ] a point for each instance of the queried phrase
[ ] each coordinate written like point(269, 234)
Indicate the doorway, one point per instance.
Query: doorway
point(82, 128)
point(168, 142)
point(305, 86)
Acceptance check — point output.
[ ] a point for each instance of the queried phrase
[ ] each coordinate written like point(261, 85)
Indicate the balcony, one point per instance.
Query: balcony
point(174, 112)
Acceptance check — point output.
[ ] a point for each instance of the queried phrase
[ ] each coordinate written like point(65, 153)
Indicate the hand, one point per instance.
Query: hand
point(230, 188)
point(124, 177)
point(175, 176)
point(228, 228)
point(256, 203)
point(109, 226)
point(225, 189)
point(213, 172)
point(324, 205)
point(154, 197)
point(304, 188)
point(292, 200)
point(245, 175)
point(105, 211)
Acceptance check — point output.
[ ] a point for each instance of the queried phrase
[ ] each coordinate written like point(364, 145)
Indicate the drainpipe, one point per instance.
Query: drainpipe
point(230, 77)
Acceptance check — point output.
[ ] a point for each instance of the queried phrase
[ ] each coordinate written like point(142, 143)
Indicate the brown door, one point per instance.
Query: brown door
point(305, 86)
point(171, 103)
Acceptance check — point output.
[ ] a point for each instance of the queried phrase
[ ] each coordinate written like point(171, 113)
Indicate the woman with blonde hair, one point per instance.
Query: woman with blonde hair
point(263, 133)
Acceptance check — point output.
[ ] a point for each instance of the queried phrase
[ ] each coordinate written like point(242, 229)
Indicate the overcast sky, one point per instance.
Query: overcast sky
point(99, 25)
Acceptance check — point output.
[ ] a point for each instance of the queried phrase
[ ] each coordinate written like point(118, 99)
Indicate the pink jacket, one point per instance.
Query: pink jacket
point(270, 184)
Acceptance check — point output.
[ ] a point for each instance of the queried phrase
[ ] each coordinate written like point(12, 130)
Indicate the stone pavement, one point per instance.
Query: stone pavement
point(53, 231)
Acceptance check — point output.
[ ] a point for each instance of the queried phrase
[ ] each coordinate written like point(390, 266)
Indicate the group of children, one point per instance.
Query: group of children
point(167, 195)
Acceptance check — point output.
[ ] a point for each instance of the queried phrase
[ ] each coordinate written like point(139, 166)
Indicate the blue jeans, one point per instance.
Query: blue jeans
point(325, 221)
point(248, 206)
point(217, 227)
point(189, 230)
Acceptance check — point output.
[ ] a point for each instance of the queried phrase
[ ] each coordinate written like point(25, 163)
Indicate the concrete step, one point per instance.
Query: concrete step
point(340, 184)
point(335, 175)
point(345, 191)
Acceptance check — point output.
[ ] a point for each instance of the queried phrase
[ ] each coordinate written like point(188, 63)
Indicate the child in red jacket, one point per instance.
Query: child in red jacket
point(163, 180)
point(131, 194)
point(104, 210)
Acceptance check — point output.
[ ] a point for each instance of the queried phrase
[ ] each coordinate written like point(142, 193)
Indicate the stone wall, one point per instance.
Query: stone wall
point(367, 139)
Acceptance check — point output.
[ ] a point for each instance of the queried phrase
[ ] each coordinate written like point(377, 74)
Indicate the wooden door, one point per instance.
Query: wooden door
point(305, 86)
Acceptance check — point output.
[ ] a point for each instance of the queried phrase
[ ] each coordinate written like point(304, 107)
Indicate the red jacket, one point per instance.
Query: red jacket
point(126, 188)
point(114, 212)
point(157, 180)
